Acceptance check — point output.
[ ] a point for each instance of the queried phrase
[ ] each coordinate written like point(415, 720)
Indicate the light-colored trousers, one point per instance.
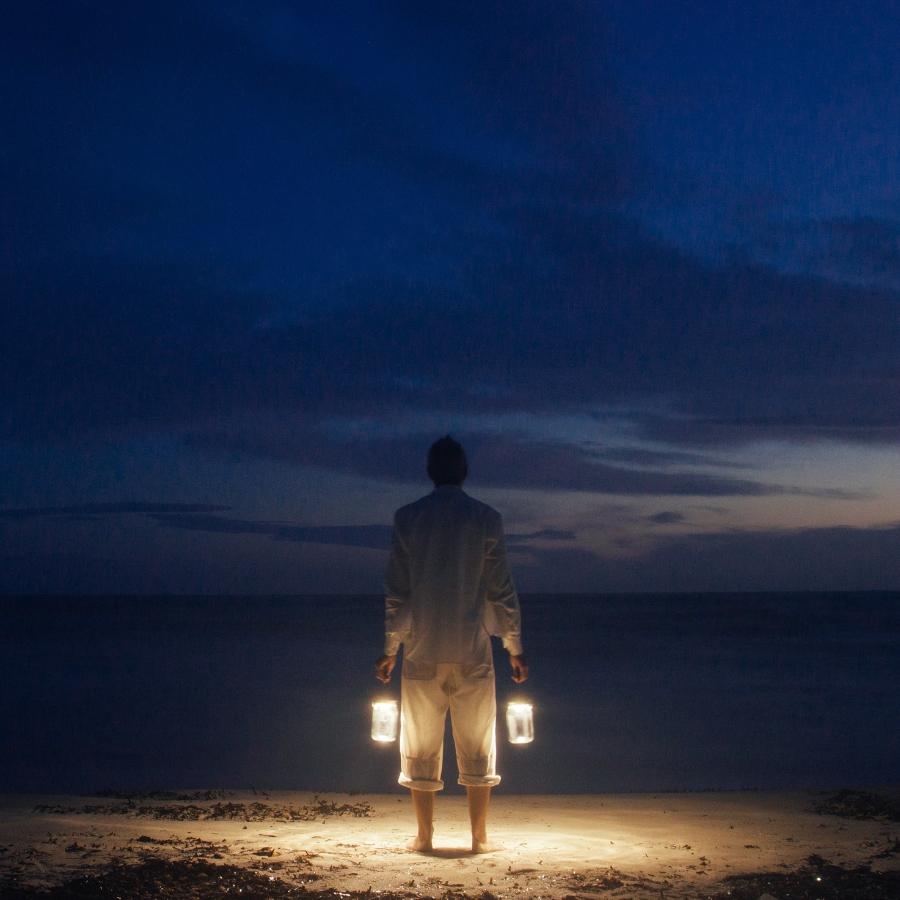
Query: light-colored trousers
point(469, 693)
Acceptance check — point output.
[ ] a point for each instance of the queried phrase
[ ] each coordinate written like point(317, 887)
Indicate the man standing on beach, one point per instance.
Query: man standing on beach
point(447, 589)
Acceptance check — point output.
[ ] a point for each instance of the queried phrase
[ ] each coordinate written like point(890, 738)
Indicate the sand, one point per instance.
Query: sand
point(617, 845)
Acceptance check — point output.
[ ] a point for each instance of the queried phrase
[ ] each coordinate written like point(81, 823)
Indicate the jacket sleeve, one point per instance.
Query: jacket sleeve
point(503, 614)
point(396, 594)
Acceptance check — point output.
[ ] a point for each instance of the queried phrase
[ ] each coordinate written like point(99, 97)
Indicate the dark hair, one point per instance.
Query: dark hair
point(447, 463)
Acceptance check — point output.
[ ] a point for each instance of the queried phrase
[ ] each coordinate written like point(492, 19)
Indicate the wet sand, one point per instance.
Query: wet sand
point(678, 845)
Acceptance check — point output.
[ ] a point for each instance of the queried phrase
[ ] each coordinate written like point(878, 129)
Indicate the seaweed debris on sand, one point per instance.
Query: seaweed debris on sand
point(818, 880)
point(245, 812)
point(180, 880)
point(176, 880)
point(854, 804)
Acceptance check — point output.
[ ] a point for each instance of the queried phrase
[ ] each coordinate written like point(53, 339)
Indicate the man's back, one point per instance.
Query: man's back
point(447, 586)
point(446, 590)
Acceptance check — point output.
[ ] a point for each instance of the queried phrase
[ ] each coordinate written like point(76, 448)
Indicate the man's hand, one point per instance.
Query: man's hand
point(519, 668)
point(384, 667)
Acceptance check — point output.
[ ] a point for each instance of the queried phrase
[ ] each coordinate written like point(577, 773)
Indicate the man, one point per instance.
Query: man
point(447, 590)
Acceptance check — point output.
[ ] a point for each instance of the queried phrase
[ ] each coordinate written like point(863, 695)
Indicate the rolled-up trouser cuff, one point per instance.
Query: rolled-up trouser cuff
point(478, 771)
point(420, 784)
point(422, 773)
point(479, 780)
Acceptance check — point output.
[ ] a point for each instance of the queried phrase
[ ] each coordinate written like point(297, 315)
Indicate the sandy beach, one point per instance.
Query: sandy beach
point(274, 844)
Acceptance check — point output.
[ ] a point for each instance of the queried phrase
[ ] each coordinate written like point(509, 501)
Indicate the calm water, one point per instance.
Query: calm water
point(636, 692)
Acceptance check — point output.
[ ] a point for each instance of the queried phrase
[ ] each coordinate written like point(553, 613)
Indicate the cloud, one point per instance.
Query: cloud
point(376, 537)
point(545, 534)
point(861, 250)
point(667, 517)
point(560, 306)
point(92, 510)
point(642, 456)
point(495, 460)
point(818, 559)
point(107, 347)
point(754, 355)
point(205, 517)
point(729, 431)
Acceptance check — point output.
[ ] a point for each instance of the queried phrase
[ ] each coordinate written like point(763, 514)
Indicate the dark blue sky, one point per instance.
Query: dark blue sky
point(642, 259)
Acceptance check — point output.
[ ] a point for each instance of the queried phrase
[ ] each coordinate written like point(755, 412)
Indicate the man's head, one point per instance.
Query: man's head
point(447, 462)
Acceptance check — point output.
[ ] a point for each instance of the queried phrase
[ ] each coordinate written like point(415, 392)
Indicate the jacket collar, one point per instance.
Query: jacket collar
point(446, 488)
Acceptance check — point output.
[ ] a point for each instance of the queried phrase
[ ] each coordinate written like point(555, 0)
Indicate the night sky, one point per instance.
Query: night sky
point(641, 259)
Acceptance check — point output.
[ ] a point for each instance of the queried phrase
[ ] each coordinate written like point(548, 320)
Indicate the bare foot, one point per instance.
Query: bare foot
point(420, 845)
point(484, 846)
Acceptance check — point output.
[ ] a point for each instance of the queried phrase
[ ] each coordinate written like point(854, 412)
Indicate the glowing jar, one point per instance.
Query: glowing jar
point(520, 723)
point(385, 718)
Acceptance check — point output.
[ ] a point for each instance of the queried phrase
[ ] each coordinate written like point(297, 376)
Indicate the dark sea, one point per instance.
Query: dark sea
point(631, 693)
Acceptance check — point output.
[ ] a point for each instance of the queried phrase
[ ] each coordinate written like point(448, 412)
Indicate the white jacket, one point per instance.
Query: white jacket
point(447, 587)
